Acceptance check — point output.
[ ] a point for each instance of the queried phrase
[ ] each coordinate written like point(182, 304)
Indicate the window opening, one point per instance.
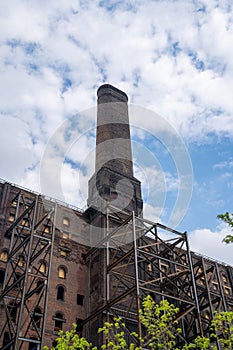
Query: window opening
point(61, 272)
point(66, 222)
point(58, 322)
point(80, 299)
point(60, 293)
point(4, 255)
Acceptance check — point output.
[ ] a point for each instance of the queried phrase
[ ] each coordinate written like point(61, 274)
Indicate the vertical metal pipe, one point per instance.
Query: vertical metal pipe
point(220, 288)
point(207, 288)
point(194, 286)
point(48, 275)
point(136, 278)
point(11, 242)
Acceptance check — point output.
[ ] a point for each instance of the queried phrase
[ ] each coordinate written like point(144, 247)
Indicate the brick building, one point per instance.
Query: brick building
point(60, 265)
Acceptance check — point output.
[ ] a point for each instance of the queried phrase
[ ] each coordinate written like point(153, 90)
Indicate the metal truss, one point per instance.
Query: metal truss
point(141, 258)
point(25, 290)
point(214, 294)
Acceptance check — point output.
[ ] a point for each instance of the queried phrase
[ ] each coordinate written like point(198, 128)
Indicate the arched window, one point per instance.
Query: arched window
point(61, 272)
point(224, 278)
point(60, 293)
point(42, 267)
point(2, 275)
point(4, 255)
point(58, 321)
point(37, 316)
point(66, 222)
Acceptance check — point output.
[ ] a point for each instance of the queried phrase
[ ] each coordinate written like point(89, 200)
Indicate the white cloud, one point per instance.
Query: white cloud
point(152, 213)
point(209, 243)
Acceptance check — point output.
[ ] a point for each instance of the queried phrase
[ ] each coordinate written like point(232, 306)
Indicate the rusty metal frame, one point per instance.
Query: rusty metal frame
point(139, 257)
point(26, 284)
point(136, 253)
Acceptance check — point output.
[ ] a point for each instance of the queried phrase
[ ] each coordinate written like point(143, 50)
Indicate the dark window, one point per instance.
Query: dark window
point(59, 320)
point(54, 343)
point(39, 286)
point(80, 299)
point(79, 329)
point(2, 275)
point(60, 293)
point(6, 339)
point(32, 345)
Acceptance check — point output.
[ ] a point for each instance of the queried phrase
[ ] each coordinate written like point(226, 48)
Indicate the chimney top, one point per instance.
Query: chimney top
point(109, 93)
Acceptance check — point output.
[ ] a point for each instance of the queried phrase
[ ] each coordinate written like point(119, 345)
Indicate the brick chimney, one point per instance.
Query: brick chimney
point(113, 181)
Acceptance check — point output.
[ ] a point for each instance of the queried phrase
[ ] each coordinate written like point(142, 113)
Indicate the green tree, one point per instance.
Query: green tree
point(228, 218)
point(160, 323)
point(222, 327)
point(70, 340)
point(115, 336)
point(221, 331)
point(200, 343)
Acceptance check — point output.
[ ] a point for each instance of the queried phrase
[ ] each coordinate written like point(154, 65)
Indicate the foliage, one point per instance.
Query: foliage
point(221, 332)
point(72, 341)
point(115, 336)
point(228, 218)
point(201, 343)
point(159, 321)
point(222, 327)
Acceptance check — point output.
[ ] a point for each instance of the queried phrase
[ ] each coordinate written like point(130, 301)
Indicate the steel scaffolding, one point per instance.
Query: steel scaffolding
point(138, 257)
point(25, 289)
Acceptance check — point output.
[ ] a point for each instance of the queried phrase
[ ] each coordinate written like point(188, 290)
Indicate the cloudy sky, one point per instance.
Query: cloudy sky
point(174, 59)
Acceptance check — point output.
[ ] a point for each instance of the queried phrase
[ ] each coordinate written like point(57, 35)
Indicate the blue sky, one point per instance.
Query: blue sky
point(172, 58)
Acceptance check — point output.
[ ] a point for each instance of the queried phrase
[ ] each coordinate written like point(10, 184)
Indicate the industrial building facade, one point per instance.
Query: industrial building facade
point(60, 265)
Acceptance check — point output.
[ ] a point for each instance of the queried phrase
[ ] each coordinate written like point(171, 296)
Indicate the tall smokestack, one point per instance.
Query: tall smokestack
point(113, 145)
point(113, 182)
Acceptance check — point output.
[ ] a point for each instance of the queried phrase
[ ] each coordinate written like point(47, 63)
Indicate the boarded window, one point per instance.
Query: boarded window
point(66, 222)
point(61, 272)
